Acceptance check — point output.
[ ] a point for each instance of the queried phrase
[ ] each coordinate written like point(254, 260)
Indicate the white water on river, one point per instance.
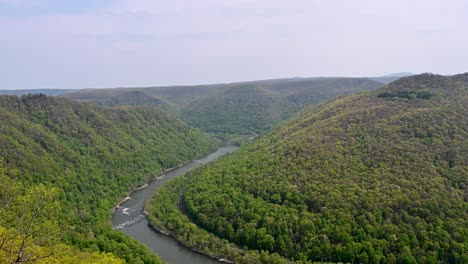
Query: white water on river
point(130, 219)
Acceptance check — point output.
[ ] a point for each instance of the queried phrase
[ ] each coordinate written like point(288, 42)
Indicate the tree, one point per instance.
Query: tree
point(30, 218)
point(8, 188)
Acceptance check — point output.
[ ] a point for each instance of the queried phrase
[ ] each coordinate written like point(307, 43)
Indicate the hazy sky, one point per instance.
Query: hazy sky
point(104, 43)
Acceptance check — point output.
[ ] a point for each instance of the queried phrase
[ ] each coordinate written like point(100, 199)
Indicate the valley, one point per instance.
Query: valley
point(372, 177)
point(240, 132)
point(129, 216)
point(231, 110)
point(91, 156)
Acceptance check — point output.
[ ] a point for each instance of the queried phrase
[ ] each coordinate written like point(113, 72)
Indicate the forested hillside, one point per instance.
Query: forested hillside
point(253, 108)
point(247, 108)
point(134, 98)
point(178, 95)
point(92, 156)
point(376, 177)
point(29, 230)
point(240, 110)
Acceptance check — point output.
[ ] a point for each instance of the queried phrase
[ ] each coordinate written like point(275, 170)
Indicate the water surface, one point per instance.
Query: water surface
point(129, 218)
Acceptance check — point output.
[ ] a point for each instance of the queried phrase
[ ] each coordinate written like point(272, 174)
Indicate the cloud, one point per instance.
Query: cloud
point(23, 3)
point(143, 42)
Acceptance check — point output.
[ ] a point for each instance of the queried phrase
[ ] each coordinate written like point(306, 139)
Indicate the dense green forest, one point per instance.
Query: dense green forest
point(172, 98)
point(138, 98)
point(32, 231)
point(226, 110)
point(92, 156)
point(241, 110)
point(376, 177)
point(253, 108)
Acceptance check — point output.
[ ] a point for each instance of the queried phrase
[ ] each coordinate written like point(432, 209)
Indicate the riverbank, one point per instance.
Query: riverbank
point(132, 220)
point(180, 242)
point(165, 214)
point(146, 183)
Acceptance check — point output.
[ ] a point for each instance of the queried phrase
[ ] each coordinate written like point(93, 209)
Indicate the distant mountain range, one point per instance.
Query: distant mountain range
point(236, 108)
point(398, 75)
point(59, 92)
point(243, 108)
point(52, 92)
point(391, 77)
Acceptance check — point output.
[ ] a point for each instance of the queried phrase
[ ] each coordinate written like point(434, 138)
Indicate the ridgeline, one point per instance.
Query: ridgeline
point(229, 110)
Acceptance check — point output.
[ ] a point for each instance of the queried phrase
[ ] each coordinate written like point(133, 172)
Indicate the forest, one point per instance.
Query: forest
point(229, 110)
point(75, 161)
point(375, 177)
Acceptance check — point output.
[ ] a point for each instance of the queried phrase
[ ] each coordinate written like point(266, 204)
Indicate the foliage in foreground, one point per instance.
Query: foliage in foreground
point(29, 231)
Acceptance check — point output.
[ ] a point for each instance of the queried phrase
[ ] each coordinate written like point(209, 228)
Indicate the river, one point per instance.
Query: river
point(129, 217)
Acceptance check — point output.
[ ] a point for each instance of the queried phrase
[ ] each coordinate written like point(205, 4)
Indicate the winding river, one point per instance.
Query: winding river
point(129, 217)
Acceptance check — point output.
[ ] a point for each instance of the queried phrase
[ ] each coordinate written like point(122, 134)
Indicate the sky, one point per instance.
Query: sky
point(125, 43)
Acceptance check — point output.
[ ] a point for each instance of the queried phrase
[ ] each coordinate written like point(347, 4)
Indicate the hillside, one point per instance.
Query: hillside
point(303, 92)
point(255, 107)
point(93, 156)
point(243, 110)
point(238, 108)
point(132, 98)
point(177, 95)
point(376, 177)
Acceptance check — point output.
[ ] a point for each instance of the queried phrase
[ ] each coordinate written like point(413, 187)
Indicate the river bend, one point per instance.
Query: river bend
point(129, 217)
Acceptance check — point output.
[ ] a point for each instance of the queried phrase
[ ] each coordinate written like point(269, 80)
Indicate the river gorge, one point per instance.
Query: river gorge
point(129, 216)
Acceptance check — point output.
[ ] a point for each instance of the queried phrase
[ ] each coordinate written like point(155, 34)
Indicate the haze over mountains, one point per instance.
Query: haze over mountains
point(247, 108)
point(52, 92)
point(398, 74)
point(392, 77)
point(56, 91)
point(246, 132)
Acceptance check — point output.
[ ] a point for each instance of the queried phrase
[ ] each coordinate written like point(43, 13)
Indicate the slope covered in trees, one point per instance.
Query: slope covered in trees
point(253, 108)
point(93, 156)
point(29, 232)
point(376, 177)
point(237, 108)
point(133, 98)
point(178, 95)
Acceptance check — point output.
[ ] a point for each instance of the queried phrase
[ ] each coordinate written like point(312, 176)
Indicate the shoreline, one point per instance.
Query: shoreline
point(146, 183)
point(171, 235)
point(160, 176)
